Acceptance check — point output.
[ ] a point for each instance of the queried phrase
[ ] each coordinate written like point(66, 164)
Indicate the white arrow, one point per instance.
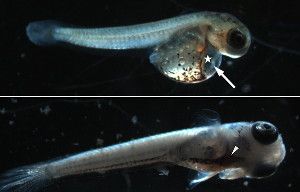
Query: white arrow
point(221, 73)
point(234, 150)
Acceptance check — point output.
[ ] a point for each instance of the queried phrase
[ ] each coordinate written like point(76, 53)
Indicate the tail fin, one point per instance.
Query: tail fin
point(25, 179)
point(42, 32)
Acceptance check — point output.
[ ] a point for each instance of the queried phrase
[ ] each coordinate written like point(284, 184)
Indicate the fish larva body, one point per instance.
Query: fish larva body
point(207, 150)
point(178, 45)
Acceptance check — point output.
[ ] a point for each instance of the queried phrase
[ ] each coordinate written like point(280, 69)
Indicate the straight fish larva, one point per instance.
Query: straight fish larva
point(205, 149)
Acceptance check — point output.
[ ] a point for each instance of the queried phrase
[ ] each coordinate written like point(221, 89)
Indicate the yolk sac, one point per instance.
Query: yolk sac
point(184, 61)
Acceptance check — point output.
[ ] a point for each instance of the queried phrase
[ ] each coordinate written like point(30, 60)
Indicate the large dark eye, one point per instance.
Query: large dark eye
point(236, 39)
point(264, 133)
point(264, 171)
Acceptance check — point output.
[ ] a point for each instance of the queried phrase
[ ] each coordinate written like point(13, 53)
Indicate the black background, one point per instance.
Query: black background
point(28, 135)
point(29, 70)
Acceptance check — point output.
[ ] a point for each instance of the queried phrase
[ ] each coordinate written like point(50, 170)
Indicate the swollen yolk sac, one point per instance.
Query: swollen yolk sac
point(182, 59)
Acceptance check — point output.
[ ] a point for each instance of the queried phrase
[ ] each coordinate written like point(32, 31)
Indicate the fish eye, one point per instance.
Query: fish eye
point(264, 170)
point(236, 39)
point(264, 133)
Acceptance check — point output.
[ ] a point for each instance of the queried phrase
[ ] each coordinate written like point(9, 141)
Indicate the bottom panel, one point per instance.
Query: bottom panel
point(211, 144)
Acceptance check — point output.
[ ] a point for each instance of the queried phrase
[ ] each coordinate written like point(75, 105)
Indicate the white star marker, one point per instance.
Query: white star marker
point(207, 59)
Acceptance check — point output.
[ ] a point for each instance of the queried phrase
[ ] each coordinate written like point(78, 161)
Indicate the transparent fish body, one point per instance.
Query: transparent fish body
point(204, 149)
point(177, 45)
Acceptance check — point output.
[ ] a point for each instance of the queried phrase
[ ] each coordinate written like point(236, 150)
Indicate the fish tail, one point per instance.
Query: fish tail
point(42, 32)
point(25, 179)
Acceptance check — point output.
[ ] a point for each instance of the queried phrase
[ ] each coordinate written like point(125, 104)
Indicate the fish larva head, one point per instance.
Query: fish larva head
point(228, 35)
point(261, 149)
point(270, 149)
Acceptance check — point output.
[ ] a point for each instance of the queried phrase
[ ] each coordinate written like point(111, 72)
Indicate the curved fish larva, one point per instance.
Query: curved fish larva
point(178, 44)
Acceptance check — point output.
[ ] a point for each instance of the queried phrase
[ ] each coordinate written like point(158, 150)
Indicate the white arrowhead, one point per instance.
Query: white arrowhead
point(219, 71)
point(234, 150)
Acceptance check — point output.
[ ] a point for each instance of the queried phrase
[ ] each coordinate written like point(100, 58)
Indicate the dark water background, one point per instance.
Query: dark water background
point(29, 70)
point(34, 130)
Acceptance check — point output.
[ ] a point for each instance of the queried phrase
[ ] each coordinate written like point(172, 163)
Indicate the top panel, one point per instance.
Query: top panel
point(136, 48)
